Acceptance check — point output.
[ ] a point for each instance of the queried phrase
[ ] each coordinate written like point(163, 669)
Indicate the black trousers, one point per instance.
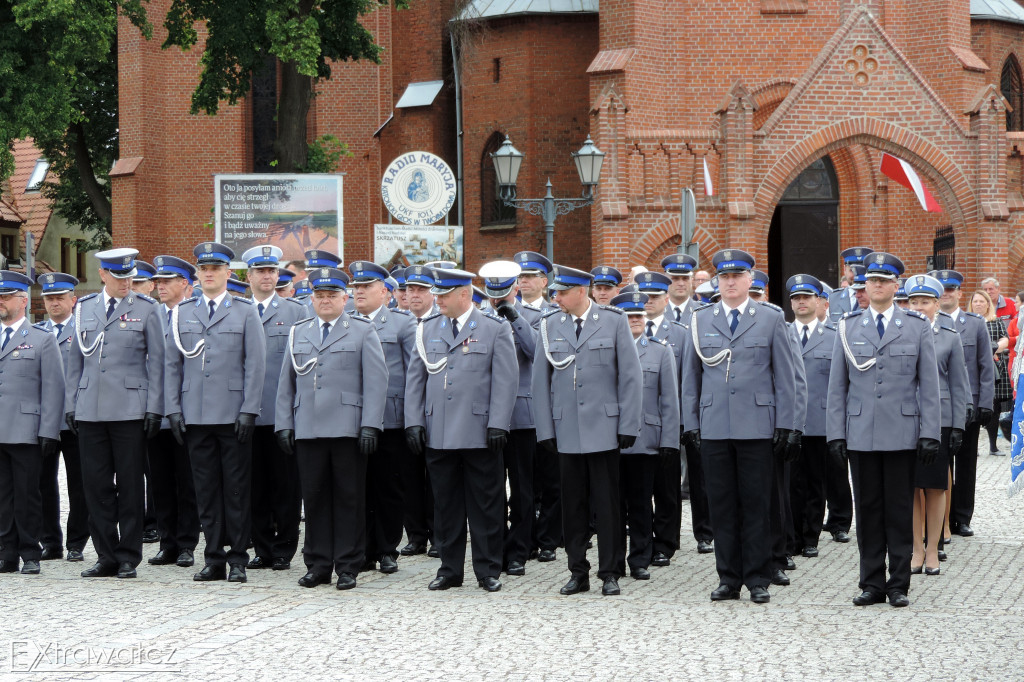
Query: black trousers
point(699, 515)
point(174, 493)
point(519, 456)
point(591, 481)
point(21, 518)
point(418, 498)
point(965, 476)
point(547, 500)
point(807, 493)
point(49, 489)
point(384, 496)
point(837, 494)
point(332, 474)
point(668, 504)
point(637, 474)
point(276, 498)
point(738, 475)
point(149, 521)
point(781, 521)
point(222, 471)
point(883, 487)
point(468, 484)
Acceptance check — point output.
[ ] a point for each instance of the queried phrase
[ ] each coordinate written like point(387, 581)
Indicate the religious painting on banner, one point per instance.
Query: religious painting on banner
point(407, 245)
point(1017, 441)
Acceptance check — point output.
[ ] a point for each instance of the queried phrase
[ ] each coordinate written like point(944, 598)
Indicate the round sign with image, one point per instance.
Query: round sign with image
point(418, 188)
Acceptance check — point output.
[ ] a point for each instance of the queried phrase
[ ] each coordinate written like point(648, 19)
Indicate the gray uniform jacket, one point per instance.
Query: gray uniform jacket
point(279, 315)
point(760, 393)
point(31, 387)
point(687, 309)
point(396, 330)
point(977, 356)
point(524, 336)
point(123, 378)
point(817, 361)
point(345, 388)
point(673, 334)
point(226, 378)
point(954, 384)
point(597, 396)
point(64, 340)
point(475, 391)
point(660, 398)
point(841, 302)
point(895, 402)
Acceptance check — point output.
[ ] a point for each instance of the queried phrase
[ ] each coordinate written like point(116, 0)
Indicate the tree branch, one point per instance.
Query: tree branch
point(83, 162)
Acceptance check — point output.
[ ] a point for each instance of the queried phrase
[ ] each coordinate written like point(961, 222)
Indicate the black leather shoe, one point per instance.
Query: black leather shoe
point(388, 564)
point(867, 599)
point(258, 562)
point(759, 595)
point(237, 574)
point(899, 600)
point(660, 559)
point(150, 536)
point(724, 593)
point(779, 577)
point(546, 555)
point(927, 571)
point(281, 564)
point(515, 568)
point(126, 570)
point(75, 555)
point(434, 552)
point(30, 568)
point(368, 565)
point(443, 582)
point(639, 573)
point(575, 585)
point(210, 573)
point(916, 570)
point(8, 566)
point(790, 564)
point(489, 583)
point(413, 548)
point(186, 558)
point(611, 587)
point(162, 558)
point(312, 579)
point(809, 552)
point(942, 555)
point(533, 554)
point(965, 531)
point(346, 581)
point(51, 553)
point(704, 547)
point(590, 544)
point(98, 570)
point(840, 536)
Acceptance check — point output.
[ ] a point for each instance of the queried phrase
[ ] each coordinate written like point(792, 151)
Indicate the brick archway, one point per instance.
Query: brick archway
point(663, 238)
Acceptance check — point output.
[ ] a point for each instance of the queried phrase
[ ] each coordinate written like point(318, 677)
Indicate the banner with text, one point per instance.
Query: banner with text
point(407, 245)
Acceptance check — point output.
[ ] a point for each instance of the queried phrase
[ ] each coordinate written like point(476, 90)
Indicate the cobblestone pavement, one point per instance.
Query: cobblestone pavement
point(964, 624)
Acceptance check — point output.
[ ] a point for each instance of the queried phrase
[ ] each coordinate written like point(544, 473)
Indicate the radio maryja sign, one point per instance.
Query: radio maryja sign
point(418, 188)
point(293, 212)
point(407, 245)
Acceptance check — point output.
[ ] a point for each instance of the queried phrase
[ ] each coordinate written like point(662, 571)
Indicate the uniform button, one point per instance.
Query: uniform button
point(207, 374)
point(581, 402)
point(879, 395)
point(449, 397)
point(732, 390)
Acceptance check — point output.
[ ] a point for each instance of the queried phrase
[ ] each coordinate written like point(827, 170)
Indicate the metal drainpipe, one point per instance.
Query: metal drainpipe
point(458, 132)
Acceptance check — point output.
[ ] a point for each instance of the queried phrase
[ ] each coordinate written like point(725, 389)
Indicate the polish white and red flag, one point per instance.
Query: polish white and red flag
point(709, 189)
point(903, 173)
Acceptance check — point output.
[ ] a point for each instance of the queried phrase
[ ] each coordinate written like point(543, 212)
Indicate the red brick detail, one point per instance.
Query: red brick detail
point(125, 166)
point(608, 61)
point(970, 61)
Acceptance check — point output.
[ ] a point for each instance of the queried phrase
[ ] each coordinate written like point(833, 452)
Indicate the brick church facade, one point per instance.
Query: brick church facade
point(790, 102)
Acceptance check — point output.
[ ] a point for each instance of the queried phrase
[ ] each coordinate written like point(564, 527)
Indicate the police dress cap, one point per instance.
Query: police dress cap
point(390, 283)
point(120, 263)
point(883, 265)
point(285, 277)
point(705, 290)
point(302, 288)
point(499, 277)
point(419, 275)
point(901, 293)
point(604, 274)
point(364, 272)
point(12, 282)
point(758, 280)
point(143, 271)
point(732, 260)
point(318, 258)
point(803, 284)
point(172, 266)
point(923, 285)
point(678, 264)
point(263, 256)
point(213, 253)
point(652, 282)
point(398, 273)
point(859, 278)
point(949, 278)
point(629, 289)
point(443, 264)
point(532, 263)
point(826, 291)
point(237, 286)
point(327, 278)
point(448, 279)
point(478, 295)
point(855, 254)
point(56, 283)
point(567, 278)
point(631, 304)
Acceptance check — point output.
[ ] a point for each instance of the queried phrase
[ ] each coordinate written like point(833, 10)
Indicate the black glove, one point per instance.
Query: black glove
point(285, 441)
point(416, 439)
point(669, 452)
point(984, 415)
point(970, 414)
point(50, 446)
point(837, 448)
point(927, 449)
point(151, 424)
point(244, 426)
point(626, 442)
point(369, 438)
point(956, 439)
point(794, 446)
point(69, 419)
point(779, 440)
point(496, 440)
point(177, 427)
point(551, 445)
point(508, 311)
point(692, 438)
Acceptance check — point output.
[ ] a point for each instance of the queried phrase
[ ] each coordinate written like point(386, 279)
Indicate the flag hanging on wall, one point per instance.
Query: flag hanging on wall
point(903, 173)
point(709, 189)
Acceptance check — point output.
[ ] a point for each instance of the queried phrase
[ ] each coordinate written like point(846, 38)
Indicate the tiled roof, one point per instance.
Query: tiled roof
point(483, 9)
point(33, 207)
point(997, 10)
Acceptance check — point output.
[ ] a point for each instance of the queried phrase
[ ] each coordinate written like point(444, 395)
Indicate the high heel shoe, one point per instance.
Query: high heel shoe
point(916, 570)
point(930, 571)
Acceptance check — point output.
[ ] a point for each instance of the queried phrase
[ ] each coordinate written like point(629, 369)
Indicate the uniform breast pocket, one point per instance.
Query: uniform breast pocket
point(24, 361)
point(711, 345)
point(823, 361)
point(476, 356)
point(559, 349)
point(435, 351)
point(230, 328)
point(126, 334)
point(905, 358)
point(757, 346)
point(347, 352)
point(601, 351)
point(650, 376)
point(277, 338)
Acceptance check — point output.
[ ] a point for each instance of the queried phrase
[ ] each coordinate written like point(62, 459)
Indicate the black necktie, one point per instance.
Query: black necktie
point(60, 328)
point(260, 308)
point(650, 328)
point(735, 320)
point(327, 330)
point(7, 337)
point(213, 306)
point(881, 326)
point(803, 341)
point(579, 327)
point(169, 312)
point(455, 328)
point(679, 314)
point(110, 307)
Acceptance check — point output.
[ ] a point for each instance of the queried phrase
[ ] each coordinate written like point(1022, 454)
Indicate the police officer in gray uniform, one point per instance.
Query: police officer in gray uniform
point(883, 409)
point(276, 497)
point(741, 367)
point(31, 400)
point(679, 267)
point(843, 300)
point(533, 280)
point(334, 431)
point(214, 386)
point(606, 284)
point(588, 394)
point(114, 399)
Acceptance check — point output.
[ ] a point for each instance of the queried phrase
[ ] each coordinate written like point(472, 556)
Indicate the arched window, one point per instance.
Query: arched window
point(493, 210)
point(1010, 86)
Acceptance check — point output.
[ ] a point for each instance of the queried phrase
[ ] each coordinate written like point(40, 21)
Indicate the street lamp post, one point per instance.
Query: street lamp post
point(507, 162)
